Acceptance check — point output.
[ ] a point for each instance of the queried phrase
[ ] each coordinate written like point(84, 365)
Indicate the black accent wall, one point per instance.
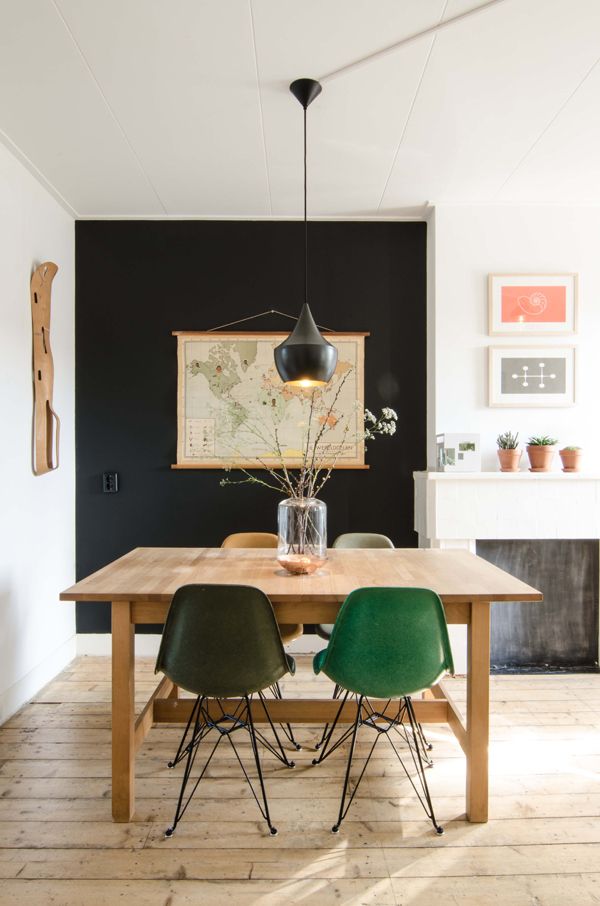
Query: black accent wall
point(136, 281)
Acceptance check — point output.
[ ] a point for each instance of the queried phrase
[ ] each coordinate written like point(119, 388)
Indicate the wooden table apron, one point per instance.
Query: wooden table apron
point(141, 584)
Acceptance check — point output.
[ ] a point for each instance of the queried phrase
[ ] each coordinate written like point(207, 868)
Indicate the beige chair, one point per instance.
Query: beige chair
point(289, 631)
point(352, 541)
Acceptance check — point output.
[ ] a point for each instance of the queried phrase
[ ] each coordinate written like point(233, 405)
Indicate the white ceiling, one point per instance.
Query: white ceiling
point(156, 108)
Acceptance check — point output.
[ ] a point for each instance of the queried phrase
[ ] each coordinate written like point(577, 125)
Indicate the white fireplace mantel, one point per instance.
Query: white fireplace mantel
point(456, 509)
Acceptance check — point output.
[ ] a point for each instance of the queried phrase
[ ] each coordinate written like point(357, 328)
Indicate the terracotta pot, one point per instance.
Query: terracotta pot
point(540, 457)
point(571, 460)
point(509, 460)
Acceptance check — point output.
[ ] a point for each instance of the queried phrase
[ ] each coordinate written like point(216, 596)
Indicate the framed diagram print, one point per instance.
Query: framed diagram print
point(531, 376)
point(541, 304)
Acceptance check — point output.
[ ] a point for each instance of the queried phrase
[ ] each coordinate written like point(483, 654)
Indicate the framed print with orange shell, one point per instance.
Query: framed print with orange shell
point(525, 304)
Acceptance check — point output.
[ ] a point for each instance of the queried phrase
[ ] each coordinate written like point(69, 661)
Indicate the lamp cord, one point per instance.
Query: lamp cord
point(305, 220)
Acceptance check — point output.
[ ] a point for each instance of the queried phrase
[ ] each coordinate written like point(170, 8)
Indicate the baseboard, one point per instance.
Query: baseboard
point(99, 643)
point(29, 685)
point(146, 645)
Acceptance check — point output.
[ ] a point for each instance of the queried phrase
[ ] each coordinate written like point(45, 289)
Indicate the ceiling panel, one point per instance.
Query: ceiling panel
point(181, 78)
point(51, 109)
point(564, 166)
point(493, 83)
point(355, 125)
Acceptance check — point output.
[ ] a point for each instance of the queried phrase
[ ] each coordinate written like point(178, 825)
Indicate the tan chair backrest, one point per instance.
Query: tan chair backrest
point(250, 539)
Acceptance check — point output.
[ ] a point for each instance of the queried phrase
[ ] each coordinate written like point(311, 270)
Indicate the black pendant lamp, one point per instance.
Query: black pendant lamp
point(305, 359)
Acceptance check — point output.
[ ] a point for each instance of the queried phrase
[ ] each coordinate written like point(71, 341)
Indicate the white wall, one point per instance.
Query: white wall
point(37, 521)
point(470, 243)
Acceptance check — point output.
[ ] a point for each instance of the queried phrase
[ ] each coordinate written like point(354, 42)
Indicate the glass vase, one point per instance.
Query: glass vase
point(302, 543)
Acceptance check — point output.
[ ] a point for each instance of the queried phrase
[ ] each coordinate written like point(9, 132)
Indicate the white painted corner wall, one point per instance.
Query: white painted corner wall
point(470, 242)
point(37, 523)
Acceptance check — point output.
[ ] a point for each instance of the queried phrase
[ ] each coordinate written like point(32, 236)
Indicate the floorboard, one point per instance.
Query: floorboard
point(541, 846)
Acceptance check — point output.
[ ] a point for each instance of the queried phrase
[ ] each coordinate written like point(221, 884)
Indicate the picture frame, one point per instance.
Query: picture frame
point(458, 453)
point(227, 385)
point(532, 304)
point(532, 376)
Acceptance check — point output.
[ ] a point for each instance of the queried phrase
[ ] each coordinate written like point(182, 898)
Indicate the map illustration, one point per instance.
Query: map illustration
point(234, 410)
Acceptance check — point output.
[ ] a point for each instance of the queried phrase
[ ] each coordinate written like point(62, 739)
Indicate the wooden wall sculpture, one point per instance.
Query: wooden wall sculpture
point(46, 423)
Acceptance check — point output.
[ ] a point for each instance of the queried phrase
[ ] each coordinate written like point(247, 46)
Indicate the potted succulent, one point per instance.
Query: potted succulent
point(508, 451)
point(541, 452)
point(571, 458)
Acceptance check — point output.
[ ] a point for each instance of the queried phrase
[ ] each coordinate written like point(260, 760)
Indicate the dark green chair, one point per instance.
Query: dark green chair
point(387, 643)
point(222, 642)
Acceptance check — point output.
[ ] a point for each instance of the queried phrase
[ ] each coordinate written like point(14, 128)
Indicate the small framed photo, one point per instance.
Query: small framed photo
point(458, 453)
point(531, 376)
point(541, 304)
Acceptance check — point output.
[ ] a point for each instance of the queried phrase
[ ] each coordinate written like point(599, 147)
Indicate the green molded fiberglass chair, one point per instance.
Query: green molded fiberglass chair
point(366, 541)
point(222, 642)
point(387, 643)
point(349, 541)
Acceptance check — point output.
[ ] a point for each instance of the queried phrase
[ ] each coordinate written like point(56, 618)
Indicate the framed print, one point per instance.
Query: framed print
point(541, 304)
point(531, 376)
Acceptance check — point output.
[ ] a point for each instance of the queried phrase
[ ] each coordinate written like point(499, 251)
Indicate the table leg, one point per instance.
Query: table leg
point(478, 711)
point(123, 712)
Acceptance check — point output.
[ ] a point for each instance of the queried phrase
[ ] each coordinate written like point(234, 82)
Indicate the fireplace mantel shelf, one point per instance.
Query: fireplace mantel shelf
point(455, 509)
point(507, 476)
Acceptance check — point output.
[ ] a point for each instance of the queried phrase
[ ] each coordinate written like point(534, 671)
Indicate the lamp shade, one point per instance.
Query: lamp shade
point(306, 359)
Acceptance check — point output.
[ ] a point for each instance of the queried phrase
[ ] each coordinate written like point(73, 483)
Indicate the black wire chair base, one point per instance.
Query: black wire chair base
point(404, 725)
point(199, 725)
point(420, 738)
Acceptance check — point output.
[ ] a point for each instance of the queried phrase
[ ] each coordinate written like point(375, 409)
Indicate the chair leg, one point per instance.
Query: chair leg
point(328, 748)
point(337, 690)
point(343, 811)
point(285, 728)
point(272, 830)
point(278, 751)
point(198, 730)
point(424, 745)
point(191, 750)
point(414, 747)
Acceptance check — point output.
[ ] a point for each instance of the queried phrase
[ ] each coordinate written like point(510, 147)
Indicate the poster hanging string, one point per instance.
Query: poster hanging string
point(270, 311)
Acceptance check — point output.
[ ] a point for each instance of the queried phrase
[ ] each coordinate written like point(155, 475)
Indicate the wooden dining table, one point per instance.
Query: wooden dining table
point(141, 584)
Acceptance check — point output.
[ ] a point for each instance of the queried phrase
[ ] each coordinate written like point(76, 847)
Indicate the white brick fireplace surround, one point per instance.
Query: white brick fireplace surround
point(457, 510)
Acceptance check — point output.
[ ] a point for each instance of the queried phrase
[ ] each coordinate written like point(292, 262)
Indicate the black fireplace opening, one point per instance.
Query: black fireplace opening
point(559, 634)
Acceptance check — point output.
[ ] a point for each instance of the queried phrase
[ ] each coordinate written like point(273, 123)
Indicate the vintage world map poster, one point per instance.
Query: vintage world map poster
point(233, 409)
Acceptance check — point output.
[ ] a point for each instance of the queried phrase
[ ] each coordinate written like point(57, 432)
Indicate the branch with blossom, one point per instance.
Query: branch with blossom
point(317, 461)
point(382, 424)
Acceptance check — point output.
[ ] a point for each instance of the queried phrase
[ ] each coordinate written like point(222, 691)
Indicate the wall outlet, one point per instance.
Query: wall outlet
point(110, 482)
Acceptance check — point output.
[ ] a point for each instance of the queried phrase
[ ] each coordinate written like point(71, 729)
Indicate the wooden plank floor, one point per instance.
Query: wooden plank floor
point(541, 847)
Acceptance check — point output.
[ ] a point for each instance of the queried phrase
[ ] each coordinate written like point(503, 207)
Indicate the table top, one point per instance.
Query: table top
point(154, 574)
